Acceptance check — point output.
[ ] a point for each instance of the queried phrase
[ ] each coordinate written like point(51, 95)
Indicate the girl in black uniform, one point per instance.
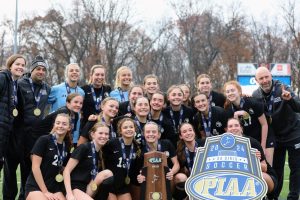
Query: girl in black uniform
point(141, 108)
point(234, 126)
point(109, 107)
point(48, 158)
point(186, 149)
point(251, 114)
point(153, 143)
point(85, 172)
point(204, 85)
point(209, 120)
point(177, 112)
point(73, 107)
point(157, 103)
point(126, 108)
point(122, 156)
point(186, 94)
point(95, 92)
point(151, 85)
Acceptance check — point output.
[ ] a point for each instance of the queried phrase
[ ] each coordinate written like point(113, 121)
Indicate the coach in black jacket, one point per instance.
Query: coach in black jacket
point(15, 66)
point(282, 109)
point(32, 100)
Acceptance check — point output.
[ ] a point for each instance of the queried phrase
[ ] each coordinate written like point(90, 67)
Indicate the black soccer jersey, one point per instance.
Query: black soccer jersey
point(46, 148)
point(88, 107)
point(218, 99)
point(125, 108)
point(218, 122)
point(82, 173)
point(114, 161)
point(251, 125)
point(166, 147)
point(177, 119)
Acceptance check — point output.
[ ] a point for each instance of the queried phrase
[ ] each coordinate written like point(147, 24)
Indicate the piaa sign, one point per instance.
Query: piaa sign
point(226, 168)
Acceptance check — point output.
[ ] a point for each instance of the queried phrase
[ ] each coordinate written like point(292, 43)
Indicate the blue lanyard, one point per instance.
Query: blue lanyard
point(158, 146)
point(15, 88)
point(188, 158)
point(160, 120)
point(207, 125)
point(121, 95)
point(68, 88)
point(242, 102)
point(61, 156)
point(97, 100)
point(37, 98)
point(113, 133)
point(127, 160)
point(95, 166)
point(173, 120)
point(138, 124)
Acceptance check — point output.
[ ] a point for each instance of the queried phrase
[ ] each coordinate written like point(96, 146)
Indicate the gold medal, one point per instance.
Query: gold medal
point(156, 196)
point(59, 178)
point(246, 116)
point(127, 180)
point(15, 112)
point(270, 120)
point(94, 186)
point(37, 112)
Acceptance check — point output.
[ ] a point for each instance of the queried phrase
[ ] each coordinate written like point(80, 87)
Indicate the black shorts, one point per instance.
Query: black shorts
point(121, 190)
point(271, 141)
point(31, 188)
point(79, 186)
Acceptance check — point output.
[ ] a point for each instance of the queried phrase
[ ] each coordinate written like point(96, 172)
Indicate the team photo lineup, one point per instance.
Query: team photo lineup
point(82, 142)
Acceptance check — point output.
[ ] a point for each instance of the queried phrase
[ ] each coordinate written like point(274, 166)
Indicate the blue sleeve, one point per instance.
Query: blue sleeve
point(52, 96)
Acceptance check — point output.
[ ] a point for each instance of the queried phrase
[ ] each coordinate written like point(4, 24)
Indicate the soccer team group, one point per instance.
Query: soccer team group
point(92, 142)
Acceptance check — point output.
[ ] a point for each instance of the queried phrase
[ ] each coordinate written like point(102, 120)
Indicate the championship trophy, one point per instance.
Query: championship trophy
point(156, 187)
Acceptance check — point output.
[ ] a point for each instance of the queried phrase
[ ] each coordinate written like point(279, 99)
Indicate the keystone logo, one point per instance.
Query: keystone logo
point(155, 160)
point(226, 168)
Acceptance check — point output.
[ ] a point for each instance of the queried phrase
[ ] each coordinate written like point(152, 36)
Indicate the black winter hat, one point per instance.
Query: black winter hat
point(38, 61)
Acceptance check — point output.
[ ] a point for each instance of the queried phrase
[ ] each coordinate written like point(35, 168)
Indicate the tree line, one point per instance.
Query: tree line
point(200, 39)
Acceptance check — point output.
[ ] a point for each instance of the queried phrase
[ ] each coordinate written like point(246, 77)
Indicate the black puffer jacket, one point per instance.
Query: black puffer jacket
point(27, 103)
point(6, 108)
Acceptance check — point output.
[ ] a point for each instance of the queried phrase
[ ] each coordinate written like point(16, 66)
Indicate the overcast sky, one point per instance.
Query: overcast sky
point(149, 10)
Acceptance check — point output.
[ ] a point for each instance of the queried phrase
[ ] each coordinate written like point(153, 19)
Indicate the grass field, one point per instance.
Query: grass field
point(283, 194)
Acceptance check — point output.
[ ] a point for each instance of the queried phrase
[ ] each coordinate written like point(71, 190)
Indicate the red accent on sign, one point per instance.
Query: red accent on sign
point(279, 67)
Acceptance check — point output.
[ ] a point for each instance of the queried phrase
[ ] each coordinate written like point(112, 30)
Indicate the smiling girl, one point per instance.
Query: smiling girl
point(85, 173)
point(49, 155)
point(122, 84)
point(122, 157)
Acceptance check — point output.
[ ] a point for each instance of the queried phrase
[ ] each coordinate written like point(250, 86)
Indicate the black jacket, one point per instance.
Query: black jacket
point(285, 114)
point(27, 103)
point(6, 108)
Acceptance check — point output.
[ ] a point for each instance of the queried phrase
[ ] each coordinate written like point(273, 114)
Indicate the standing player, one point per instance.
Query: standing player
point(204, 85)
point(251, 114)
point(95, 92)
point(49, 155)
point(122, 84)
point(282, 108)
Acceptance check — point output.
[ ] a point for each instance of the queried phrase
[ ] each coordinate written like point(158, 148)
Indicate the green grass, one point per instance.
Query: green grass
point(283, 194)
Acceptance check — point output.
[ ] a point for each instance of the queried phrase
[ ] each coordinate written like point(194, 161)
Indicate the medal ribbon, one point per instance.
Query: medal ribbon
point(95, 164)
point(158, 147)
point(207, 124)
point(37, 98)
point(15, 88)
point(271, 101)
point(173, 120)
point(127, 161)
point(188, 158)
point(113, 133)
point(61, 156)
point(69, 89)
point(97, 101)
point(121, 95)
